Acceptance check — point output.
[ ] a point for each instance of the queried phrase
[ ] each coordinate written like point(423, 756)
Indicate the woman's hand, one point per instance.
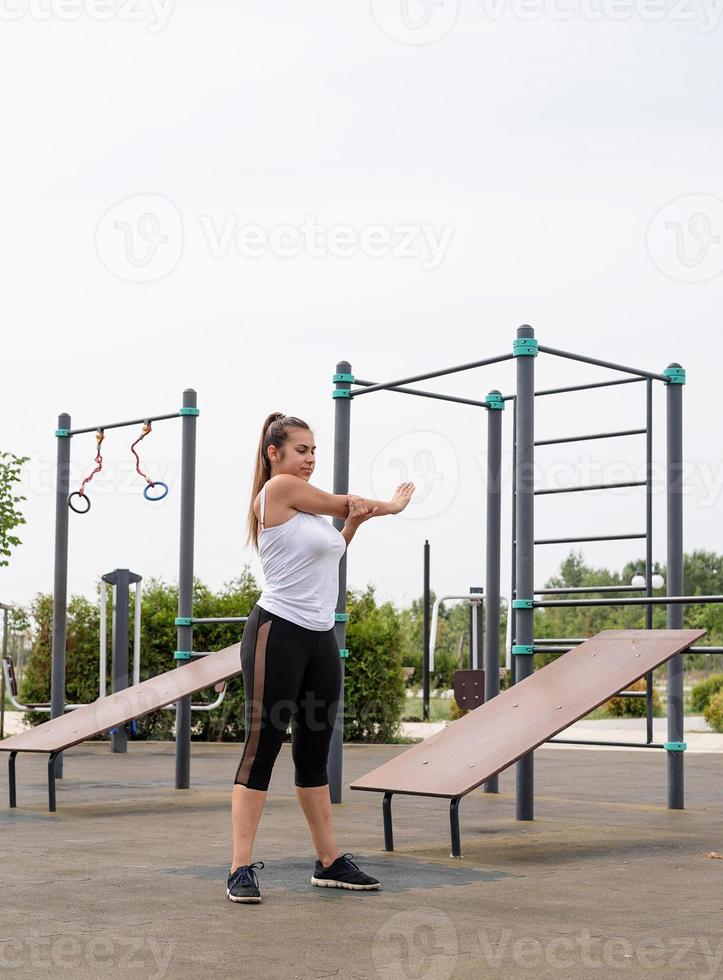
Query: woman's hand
point(358, 510)
point(402, 496)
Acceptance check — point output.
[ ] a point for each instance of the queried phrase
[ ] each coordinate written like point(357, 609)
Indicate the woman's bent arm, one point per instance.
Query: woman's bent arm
point(300, 495)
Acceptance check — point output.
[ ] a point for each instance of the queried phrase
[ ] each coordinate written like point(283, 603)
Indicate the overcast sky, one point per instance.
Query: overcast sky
point(235, 196)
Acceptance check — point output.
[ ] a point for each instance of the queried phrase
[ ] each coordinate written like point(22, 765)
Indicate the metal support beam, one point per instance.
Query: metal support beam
point(492, 565)
point(342, 433)
point(674, 494)
point(525, 554)
point(185, 582)
point(432, 374)
point(60, 580)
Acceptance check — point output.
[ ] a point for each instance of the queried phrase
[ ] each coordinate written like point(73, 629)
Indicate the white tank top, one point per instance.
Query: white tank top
point(300, 560)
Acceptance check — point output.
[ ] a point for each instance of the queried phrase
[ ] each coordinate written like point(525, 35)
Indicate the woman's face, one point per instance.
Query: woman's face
point(297, 454)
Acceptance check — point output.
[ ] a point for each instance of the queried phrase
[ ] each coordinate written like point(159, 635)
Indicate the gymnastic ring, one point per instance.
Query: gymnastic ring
point(158, 483)
point(79, 494)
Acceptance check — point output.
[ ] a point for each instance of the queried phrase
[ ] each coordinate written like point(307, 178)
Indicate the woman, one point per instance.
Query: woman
point(289, 653)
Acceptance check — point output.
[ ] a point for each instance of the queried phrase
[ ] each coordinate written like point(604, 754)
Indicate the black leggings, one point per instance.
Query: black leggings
point(292, 675)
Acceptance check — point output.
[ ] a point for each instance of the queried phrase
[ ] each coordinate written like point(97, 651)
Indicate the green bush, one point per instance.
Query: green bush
point(375, 685)
point(620, 707)
point(714, 712)
point(703, 691)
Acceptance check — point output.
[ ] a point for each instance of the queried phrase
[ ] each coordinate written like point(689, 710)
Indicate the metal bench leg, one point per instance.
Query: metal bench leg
point(51, 781)
point(11, 779)
point(454, 827)
point(388, 831)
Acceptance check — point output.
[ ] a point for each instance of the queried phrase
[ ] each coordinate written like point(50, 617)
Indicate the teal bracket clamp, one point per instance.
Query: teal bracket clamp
point(183, 621)
point(341, 617)
point(523, 603)
point(62, 432)
point(495, 401)
point(189, 411)
point(675, 746)
point(675, 375)
point(523, 648)
point(343, 653)
point(343, 377)
point(341, 393)
point(182, 655)
point(525, 347)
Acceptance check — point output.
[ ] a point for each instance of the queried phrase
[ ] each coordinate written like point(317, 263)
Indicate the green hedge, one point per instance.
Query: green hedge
point(375, 690)
point(704, 691)
point(714, 712)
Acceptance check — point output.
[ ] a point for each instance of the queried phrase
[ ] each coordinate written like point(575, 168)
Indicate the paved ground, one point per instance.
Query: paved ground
point(128, 878)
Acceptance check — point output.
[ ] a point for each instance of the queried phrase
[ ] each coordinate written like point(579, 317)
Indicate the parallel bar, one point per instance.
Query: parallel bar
point(434, 374)
point(606, 364)
point(649, 545)
point(550, 647)
point(595, 537)
point(583, 589)
point(587, 387)
point(219, 619)
point(592, 486)
point(598, 435)
point(673, 600)
point(619, 745)
point(425, 394)
point(120, 425)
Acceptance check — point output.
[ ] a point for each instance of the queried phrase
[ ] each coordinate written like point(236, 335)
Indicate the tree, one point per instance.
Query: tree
point(10, 516)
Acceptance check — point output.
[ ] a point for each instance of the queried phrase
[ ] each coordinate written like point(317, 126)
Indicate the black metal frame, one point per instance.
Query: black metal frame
point(455, 837)
point(12, 784)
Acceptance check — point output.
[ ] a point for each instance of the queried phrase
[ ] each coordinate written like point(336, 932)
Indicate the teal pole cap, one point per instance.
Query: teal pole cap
point(675, 375)
point(495, 401)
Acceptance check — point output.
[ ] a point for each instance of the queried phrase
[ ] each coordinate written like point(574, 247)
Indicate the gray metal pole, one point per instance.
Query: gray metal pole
point(60, 577)
point(121, 578)
point(426, 630)
point(649, 547)
point(674, 391)
point(492, 557)
point(476, 632)
point(2, 685)
point(342, 432)
point(185, 579)
point(525, 583)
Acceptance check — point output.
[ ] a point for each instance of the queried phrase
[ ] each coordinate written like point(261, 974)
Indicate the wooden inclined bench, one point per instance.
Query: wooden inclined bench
point(93, 719)
point(482, 743)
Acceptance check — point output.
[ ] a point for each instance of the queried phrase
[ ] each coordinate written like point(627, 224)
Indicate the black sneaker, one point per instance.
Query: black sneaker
point(243, 885)
point(342, 873)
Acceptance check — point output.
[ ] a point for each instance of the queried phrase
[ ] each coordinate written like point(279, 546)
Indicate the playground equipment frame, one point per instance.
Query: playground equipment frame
point(524, 602)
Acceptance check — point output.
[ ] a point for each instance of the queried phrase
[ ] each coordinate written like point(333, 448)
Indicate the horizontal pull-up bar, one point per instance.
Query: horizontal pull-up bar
point(586, 387)
point(594, 537)
point(120, 425)
point(592, 486)
point(432, 374)
point(606, 364)
point(585, 589)
point(206, 620)
point(428, 394)
point(667, 600)
point(597, 435)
